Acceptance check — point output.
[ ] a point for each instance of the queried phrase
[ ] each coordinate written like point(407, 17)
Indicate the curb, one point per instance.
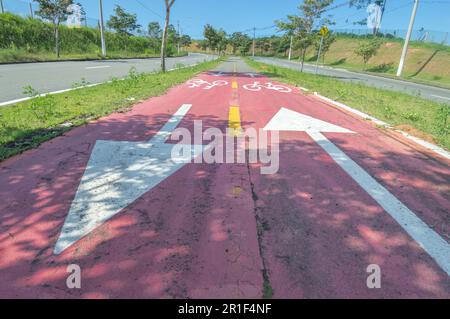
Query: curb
point(430, 146)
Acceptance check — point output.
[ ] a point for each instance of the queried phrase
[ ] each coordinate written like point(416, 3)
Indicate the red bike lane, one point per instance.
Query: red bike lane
point(321, 229)
point(193, 235)
point(226, 230)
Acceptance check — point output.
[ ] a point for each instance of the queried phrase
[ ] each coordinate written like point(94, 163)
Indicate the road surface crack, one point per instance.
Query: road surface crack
point(260, 228)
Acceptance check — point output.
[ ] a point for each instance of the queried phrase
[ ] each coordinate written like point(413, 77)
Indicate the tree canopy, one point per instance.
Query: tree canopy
point(122, 21)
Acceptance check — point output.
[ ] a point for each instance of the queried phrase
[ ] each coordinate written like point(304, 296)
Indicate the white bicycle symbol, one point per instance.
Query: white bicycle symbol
point(256, 86)
point(196, 83)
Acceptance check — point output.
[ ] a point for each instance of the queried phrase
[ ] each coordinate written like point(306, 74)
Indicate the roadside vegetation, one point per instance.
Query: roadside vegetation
point(298, 37)
point(422, 118)
point(427, 63)
point(26, 125)
point(30, 40)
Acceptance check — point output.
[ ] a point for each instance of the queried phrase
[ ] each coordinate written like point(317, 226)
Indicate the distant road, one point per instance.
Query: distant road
point(425, 91)
point(54, 76)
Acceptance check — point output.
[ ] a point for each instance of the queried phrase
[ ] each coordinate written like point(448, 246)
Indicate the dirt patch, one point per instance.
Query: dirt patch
point(415, 132)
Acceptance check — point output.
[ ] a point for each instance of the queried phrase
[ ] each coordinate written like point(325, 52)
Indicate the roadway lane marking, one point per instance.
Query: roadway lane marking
point(441, 97)
point(427, 238)
point(97, 67)
point(49, 93)
point(234, 85)
point(118, 173)
point(79, 87)
point(234, 119)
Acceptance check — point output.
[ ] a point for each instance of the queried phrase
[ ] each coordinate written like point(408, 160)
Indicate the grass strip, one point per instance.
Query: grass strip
point(27, 124)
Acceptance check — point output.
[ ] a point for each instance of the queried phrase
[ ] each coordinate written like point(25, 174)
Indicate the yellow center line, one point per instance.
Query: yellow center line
point(234, 120)
point(234, 115)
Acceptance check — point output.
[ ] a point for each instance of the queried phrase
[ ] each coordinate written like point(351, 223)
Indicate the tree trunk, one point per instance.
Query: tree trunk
point(57, 49)
point(164, 41)
point(303, 59)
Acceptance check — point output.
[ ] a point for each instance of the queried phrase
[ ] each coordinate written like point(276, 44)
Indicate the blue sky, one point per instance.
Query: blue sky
point(238, 15)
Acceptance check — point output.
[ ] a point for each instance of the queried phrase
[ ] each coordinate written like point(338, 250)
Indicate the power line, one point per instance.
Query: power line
point(148, 9)
point(386, 12)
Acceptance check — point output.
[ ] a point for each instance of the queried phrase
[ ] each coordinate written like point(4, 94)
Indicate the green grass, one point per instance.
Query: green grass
point(267, 290)
point(27, 124)
point(420, 117)
point(25, 40)
point(17, 55)
point(427, 63)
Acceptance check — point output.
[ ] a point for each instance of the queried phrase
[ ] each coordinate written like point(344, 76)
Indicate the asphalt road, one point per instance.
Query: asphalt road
point(425, 91)
point(54, 76)
point(320, 212)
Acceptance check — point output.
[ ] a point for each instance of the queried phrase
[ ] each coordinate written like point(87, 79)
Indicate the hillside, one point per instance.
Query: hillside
point(29, 40)
point(428, 63)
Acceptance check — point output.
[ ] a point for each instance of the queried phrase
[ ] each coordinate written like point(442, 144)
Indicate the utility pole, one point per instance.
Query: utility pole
point(254, 41)
point(1, 7)
point(408, 37)
point(320, 52)
point(290, 47)
point(102, 28)
point(179, 36)
point(31, 11)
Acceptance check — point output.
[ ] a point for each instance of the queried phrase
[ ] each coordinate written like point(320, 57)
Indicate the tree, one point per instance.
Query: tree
point(280, 45)
point(368, 49)
point(123, 22)
point(211, 36)
point(235, 41)
point(301, 26)
point(241, 42)
point(169, 4)
point(185, 40)
point(55, 11)
point(154, 30)
point(172, 35)
point(222, 41)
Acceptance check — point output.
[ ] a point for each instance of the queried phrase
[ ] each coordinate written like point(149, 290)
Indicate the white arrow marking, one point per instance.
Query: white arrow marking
point(428, 239)
point(116, 175)
point(288, 120)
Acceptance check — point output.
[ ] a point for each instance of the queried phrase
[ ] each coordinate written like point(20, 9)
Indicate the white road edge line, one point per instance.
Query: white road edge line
point(441, 97)
point(428, 145)
point(426, 237)
point(82, 87)
point(98, 67)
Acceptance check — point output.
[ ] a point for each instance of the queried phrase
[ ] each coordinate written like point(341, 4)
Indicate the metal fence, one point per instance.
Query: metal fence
point(421, 35)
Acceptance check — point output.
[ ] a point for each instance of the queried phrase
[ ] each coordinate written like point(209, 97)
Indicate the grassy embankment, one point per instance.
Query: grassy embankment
point(27, 124)
point(426, 63)
point(422, 118)
point(31, 40)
